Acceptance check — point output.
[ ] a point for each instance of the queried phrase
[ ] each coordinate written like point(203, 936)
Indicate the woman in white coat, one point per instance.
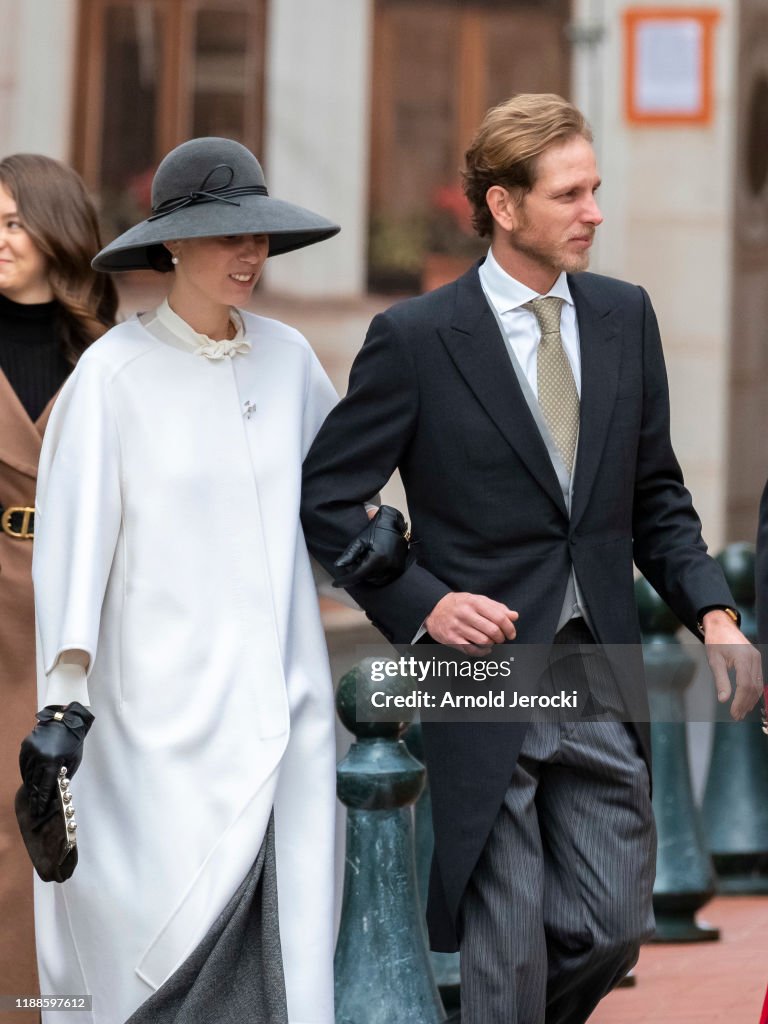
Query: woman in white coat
point(175, 600)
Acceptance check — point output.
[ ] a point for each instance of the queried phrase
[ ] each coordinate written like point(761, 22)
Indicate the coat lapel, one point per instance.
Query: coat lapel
point(476, 347)
point(20, 438)
point(599, 337)
point(42, 420)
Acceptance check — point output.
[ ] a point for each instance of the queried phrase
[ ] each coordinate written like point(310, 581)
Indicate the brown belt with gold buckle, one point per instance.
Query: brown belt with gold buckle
point(18, 521)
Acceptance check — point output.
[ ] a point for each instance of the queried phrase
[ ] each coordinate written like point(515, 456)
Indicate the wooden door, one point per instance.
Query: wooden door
point(437, 67)
point(153, 73)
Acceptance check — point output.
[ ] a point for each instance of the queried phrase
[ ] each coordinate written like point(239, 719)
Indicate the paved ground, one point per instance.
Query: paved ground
point(706, 983)
point(710, 983)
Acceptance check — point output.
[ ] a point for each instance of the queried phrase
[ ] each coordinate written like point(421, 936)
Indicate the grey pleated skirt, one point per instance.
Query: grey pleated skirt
point(235, 975)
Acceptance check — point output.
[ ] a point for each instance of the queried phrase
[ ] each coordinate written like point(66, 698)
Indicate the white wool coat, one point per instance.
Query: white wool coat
point(169, 547)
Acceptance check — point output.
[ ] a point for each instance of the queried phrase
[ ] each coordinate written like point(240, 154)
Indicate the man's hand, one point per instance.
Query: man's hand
point(56, 740)
point(726, 648)
point(378, 554)
point(471, 622)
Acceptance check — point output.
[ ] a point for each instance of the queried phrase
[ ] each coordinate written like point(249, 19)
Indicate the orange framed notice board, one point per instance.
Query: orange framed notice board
point(669, 65)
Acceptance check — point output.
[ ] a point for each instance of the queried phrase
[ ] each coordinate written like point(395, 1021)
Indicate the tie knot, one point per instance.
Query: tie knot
point(547, 312)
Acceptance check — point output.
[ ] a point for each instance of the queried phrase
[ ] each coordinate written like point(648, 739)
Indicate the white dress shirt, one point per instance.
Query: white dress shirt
point(508, 296)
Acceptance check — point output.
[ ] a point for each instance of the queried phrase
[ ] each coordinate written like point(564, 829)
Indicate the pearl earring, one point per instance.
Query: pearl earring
point(174, 260)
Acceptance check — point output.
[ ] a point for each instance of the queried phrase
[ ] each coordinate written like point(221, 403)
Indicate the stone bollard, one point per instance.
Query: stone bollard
point(382, 967)
point(684, 874)
point(446, 966)
point(735, 809)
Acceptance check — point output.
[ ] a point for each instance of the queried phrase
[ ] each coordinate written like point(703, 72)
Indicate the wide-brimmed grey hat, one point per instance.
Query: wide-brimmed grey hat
point(209, 187)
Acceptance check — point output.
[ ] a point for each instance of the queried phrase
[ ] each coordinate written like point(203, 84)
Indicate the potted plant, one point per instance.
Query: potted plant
point(452, 245)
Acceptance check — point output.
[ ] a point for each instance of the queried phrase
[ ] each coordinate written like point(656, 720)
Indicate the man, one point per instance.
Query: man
point(526, 408)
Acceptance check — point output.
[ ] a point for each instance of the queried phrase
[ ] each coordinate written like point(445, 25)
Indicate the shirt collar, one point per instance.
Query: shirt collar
point(198, 342)
point(506, 293)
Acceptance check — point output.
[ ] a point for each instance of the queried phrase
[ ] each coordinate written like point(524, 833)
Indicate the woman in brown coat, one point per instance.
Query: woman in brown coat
point(52, 306)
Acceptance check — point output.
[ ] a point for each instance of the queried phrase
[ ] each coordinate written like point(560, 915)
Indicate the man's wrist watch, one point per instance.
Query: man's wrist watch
point(732, 613)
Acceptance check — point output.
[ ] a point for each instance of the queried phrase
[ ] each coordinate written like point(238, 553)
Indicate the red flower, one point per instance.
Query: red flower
point(451, 200)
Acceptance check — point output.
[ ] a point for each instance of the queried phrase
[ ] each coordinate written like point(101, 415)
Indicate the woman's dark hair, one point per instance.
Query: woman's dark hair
point(159, 259)
point(61, 220)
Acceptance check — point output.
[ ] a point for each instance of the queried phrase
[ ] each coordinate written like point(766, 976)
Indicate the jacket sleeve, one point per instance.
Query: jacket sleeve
point(77, 515)
point(668, 547)
point(360, 445)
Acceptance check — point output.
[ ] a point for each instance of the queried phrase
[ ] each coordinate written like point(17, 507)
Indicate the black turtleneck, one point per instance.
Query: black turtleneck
point(30, 352)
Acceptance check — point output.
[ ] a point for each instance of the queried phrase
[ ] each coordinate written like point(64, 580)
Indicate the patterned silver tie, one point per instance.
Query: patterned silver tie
point(558, 397)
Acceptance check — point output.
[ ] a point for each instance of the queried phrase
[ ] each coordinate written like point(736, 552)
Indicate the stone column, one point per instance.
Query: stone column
point(667, 198)
point(316, 145)
point(37, 57)
point(748, 452)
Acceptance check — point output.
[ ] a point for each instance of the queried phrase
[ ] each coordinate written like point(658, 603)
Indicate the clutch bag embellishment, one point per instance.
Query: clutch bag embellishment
point(52, 845)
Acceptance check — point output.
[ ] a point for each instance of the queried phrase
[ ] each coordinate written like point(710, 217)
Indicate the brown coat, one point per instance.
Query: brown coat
point(20, 441)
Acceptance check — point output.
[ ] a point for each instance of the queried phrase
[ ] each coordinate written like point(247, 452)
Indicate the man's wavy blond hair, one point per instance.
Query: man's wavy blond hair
point(508, 143)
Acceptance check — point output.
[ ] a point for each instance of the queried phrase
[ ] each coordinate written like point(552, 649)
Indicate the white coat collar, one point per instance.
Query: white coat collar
point(167, 325)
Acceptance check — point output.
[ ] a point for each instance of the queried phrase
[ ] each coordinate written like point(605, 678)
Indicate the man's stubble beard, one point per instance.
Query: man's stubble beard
point(558, 259)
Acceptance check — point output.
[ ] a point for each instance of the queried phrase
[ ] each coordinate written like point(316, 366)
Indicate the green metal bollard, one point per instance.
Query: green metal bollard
point(446, 966)
point(735, 809)
point(684, 874)
point(382, 968)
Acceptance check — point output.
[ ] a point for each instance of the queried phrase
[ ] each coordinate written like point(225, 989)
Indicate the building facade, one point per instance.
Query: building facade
point(361, 109)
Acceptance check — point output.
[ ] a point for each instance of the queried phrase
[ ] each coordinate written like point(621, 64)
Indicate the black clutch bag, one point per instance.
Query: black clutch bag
point(52, 843)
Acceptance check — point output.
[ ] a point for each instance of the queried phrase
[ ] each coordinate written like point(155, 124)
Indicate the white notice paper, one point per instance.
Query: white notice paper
point(668, 61)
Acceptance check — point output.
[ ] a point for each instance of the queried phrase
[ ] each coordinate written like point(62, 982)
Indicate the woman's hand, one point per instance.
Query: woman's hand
point(56, 741)
point(378, 554)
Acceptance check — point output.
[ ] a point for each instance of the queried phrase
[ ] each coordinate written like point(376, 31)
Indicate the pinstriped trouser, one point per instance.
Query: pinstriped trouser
point(560, 900)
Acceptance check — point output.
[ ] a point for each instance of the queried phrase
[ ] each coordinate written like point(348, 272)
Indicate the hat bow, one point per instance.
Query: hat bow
point(220, 194)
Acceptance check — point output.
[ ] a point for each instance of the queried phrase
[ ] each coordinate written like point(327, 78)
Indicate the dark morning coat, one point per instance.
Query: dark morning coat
point(433, 393)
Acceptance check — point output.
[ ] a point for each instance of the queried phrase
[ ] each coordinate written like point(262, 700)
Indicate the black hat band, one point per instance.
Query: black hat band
point(222, 194)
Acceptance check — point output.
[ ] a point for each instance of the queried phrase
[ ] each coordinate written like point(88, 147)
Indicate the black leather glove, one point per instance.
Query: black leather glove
point(378, 554)
point(56, 740)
